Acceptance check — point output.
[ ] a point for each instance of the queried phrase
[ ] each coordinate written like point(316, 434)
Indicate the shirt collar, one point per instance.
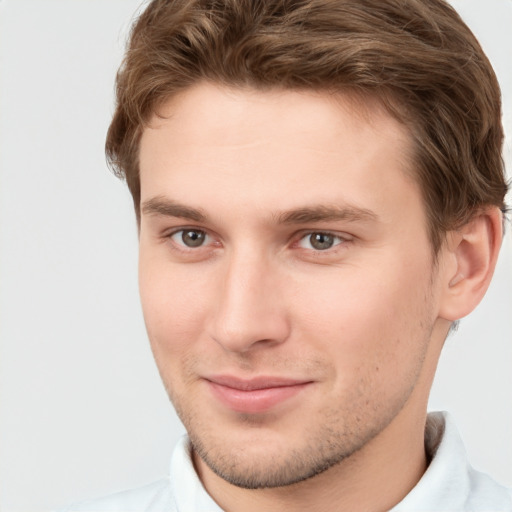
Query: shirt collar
point(449, 483)
point(188, 491)
point(445, 479)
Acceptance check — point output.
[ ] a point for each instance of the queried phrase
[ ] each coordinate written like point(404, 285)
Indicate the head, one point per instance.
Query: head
point(419, 61)
point(312, 182)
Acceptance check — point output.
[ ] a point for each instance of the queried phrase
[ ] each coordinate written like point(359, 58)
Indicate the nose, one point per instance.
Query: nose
point(249, 312)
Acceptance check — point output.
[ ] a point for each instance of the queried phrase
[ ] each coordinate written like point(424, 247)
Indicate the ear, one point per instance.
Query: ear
point(471, 252)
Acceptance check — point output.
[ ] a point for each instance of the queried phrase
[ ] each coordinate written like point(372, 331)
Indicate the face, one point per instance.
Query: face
point(286, 276)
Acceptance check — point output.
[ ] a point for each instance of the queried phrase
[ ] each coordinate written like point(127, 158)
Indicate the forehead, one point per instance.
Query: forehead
point(279, 148)
point(246, 107)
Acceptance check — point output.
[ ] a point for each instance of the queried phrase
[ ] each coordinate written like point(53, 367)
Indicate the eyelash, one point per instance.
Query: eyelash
point(341, 240)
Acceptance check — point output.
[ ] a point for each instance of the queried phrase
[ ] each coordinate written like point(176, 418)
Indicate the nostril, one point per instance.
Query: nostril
point(250, 333)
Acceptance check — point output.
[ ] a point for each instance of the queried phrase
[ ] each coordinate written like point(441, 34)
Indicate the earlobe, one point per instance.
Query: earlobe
point(473, 251)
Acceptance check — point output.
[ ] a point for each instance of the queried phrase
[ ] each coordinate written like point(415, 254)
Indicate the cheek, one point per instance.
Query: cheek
point(369, 322)
point(173, 304)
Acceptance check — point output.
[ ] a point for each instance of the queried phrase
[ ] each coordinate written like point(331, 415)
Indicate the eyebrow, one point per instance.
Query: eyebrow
point(326, 213)
point(309, 214)
point(167, 207)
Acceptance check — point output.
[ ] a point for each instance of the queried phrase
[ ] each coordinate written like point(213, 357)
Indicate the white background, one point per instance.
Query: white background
point(82, 409)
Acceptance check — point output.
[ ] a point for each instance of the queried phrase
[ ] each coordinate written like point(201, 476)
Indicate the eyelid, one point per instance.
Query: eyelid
point(177, 229)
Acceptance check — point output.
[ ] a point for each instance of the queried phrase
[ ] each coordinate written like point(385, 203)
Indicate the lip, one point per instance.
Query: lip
point(255, 395)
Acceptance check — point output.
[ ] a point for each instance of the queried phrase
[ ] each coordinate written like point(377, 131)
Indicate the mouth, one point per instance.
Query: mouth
point(255, 395)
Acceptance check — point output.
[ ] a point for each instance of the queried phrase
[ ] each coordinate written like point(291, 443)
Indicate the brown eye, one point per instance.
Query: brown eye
point(190, 237)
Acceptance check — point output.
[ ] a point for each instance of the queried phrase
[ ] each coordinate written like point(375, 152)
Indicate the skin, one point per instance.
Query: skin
point(361, 322)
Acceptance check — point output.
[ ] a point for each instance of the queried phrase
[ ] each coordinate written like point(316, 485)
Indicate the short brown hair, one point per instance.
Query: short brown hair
point(417, 57)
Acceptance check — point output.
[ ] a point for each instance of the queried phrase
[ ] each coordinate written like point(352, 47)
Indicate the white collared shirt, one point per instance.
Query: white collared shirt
point(449, 484)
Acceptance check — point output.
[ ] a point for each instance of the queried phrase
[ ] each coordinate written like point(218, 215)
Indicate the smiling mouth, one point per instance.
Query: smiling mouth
point(256, 395)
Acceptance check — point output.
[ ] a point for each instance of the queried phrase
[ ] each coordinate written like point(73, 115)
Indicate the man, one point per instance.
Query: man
point(319, 193)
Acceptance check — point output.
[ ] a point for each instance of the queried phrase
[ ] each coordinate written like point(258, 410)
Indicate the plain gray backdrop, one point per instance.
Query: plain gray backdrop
point(83, 412)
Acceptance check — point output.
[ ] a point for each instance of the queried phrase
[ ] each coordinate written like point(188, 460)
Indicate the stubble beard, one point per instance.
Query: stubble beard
point(323, 445)
point(337, 433)
point(273, 470)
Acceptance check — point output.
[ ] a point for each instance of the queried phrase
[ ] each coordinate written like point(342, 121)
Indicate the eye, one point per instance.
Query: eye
point(319, 241)
point(190, 238)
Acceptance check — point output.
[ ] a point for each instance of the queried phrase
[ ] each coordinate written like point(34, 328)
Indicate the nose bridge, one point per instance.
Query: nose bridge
point(248, 310)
